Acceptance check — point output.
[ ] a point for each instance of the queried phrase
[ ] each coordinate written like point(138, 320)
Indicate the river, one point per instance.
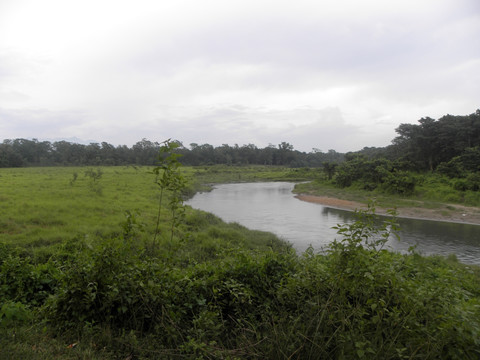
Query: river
point(271, 206)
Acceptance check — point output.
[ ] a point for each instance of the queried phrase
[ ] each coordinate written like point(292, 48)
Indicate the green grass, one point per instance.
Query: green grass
point(42, 205)
point(45, 206)
point(202, 176)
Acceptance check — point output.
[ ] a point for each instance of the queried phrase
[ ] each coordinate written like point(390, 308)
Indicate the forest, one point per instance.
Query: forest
point(450, 143)
point(24, 152)
point(444, 151)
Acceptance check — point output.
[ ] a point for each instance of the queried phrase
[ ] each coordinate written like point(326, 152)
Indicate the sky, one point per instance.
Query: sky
point(318, 74)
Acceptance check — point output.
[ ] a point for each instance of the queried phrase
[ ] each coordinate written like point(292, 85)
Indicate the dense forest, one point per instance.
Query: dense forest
point(430, 143)
point(448, 147)
point(449, 144)
point(24, 152)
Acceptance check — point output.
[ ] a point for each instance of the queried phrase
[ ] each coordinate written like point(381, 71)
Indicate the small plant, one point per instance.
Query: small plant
point(74, 178)
point(131, 226)
point(170, 179)
point(366, 232)
point(95, 176)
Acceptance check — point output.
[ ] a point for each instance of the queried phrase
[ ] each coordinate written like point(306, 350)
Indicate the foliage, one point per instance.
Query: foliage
point(224, 291)
point(424, 146)
point(94, 176)
point(329, 169)
point(23, 281)
point(387, 175)
point(169, 178)
point(432, 142)
point(24, 152)
point(462, 166)
point(356, 301)
point(13, 314)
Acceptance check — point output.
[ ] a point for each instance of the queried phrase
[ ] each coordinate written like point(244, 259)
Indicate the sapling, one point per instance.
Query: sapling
point(170, 179)
point(95, 176)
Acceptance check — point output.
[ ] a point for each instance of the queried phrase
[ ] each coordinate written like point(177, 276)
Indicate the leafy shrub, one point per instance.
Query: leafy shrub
point(343, 178)
point(471, 182)
point(100, 285)
point(399, 182)
point(362, 302)
point(452, 169)
point(356, 301)
point(13, 313)
point(460, 185)
point(22, 281)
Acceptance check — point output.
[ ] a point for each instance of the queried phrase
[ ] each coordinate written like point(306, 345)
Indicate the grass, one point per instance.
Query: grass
point(45, 207)
point(202, 176)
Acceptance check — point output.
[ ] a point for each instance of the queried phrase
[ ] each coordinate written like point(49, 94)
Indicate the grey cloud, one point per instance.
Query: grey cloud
point(260, 76)
point(37, 123)
point(233, 124)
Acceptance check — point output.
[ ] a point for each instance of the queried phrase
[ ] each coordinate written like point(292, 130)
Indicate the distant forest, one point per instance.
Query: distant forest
point(419, 147)
point(23, 152)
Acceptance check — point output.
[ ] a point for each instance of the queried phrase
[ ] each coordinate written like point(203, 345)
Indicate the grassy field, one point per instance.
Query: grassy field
point(81, 278)
point(46, 206)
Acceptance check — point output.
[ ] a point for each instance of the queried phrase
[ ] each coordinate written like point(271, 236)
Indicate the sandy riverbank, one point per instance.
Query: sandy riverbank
point(446, 212)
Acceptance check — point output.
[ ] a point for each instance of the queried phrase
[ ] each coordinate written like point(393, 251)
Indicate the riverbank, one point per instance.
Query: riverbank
point(443, 212)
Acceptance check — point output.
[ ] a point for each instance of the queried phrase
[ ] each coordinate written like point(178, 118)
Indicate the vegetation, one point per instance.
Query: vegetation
point(24, 152)
point(106, 262)
point(416, 166)
point(44, 206)
point(212, 290)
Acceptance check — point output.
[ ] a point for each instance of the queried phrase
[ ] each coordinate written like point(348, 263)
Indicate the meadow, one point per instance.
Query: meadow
point(82, 278)
point(46, 206)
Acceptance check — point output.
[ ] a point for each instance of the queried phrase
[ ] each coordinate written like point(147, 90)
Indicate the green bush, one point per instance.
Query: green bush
point(22, 281)
point(210, 296)
point(399, 182)
point(357, 300)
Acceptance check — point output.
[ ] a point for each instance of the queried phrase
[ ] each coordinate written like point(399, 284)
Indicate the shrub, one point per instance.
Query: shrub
point(399, 182)
point(357, 300)
point(22, 281)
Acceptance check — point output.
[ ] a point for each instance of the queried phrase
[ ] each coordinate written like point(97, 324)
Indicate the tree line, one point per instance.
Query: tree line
point(449, 146)
point(25, 152)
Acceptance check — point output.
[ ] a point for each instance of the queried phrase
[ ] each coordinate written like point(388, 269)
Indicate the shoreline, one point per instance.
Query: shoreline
point(452, 213)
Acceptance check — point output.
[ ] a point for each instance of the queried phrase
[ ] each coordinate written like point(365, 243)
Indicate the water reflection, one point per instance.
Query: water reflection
point(272, 207)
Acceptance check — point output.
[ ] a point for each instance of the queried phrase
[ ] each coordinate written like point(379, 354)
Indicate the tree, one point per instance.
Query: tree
point(329, 168)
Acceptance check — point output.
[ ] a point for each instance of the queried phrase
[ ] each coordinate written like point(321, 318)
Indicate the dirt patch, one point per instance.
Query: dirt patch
point(445, 212)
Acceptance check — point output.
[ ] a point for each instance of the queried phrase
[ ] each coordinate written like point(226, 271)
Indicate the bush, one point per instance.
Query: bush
point(22, 281)
point(356, 301)
point(399, 182)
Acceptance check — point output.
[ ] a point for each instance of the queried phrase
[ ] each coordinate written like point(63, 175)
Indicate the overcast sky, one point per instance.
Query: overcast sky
point(340, 74)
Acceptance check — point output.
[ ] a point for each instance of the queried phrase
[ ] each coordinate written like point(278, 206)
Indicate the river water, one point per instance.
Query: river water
point(272, 207)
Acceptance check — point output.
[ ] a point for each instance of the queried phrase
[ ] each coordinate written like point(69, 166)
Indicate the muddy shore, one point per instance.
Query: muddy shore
point(446, 212)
